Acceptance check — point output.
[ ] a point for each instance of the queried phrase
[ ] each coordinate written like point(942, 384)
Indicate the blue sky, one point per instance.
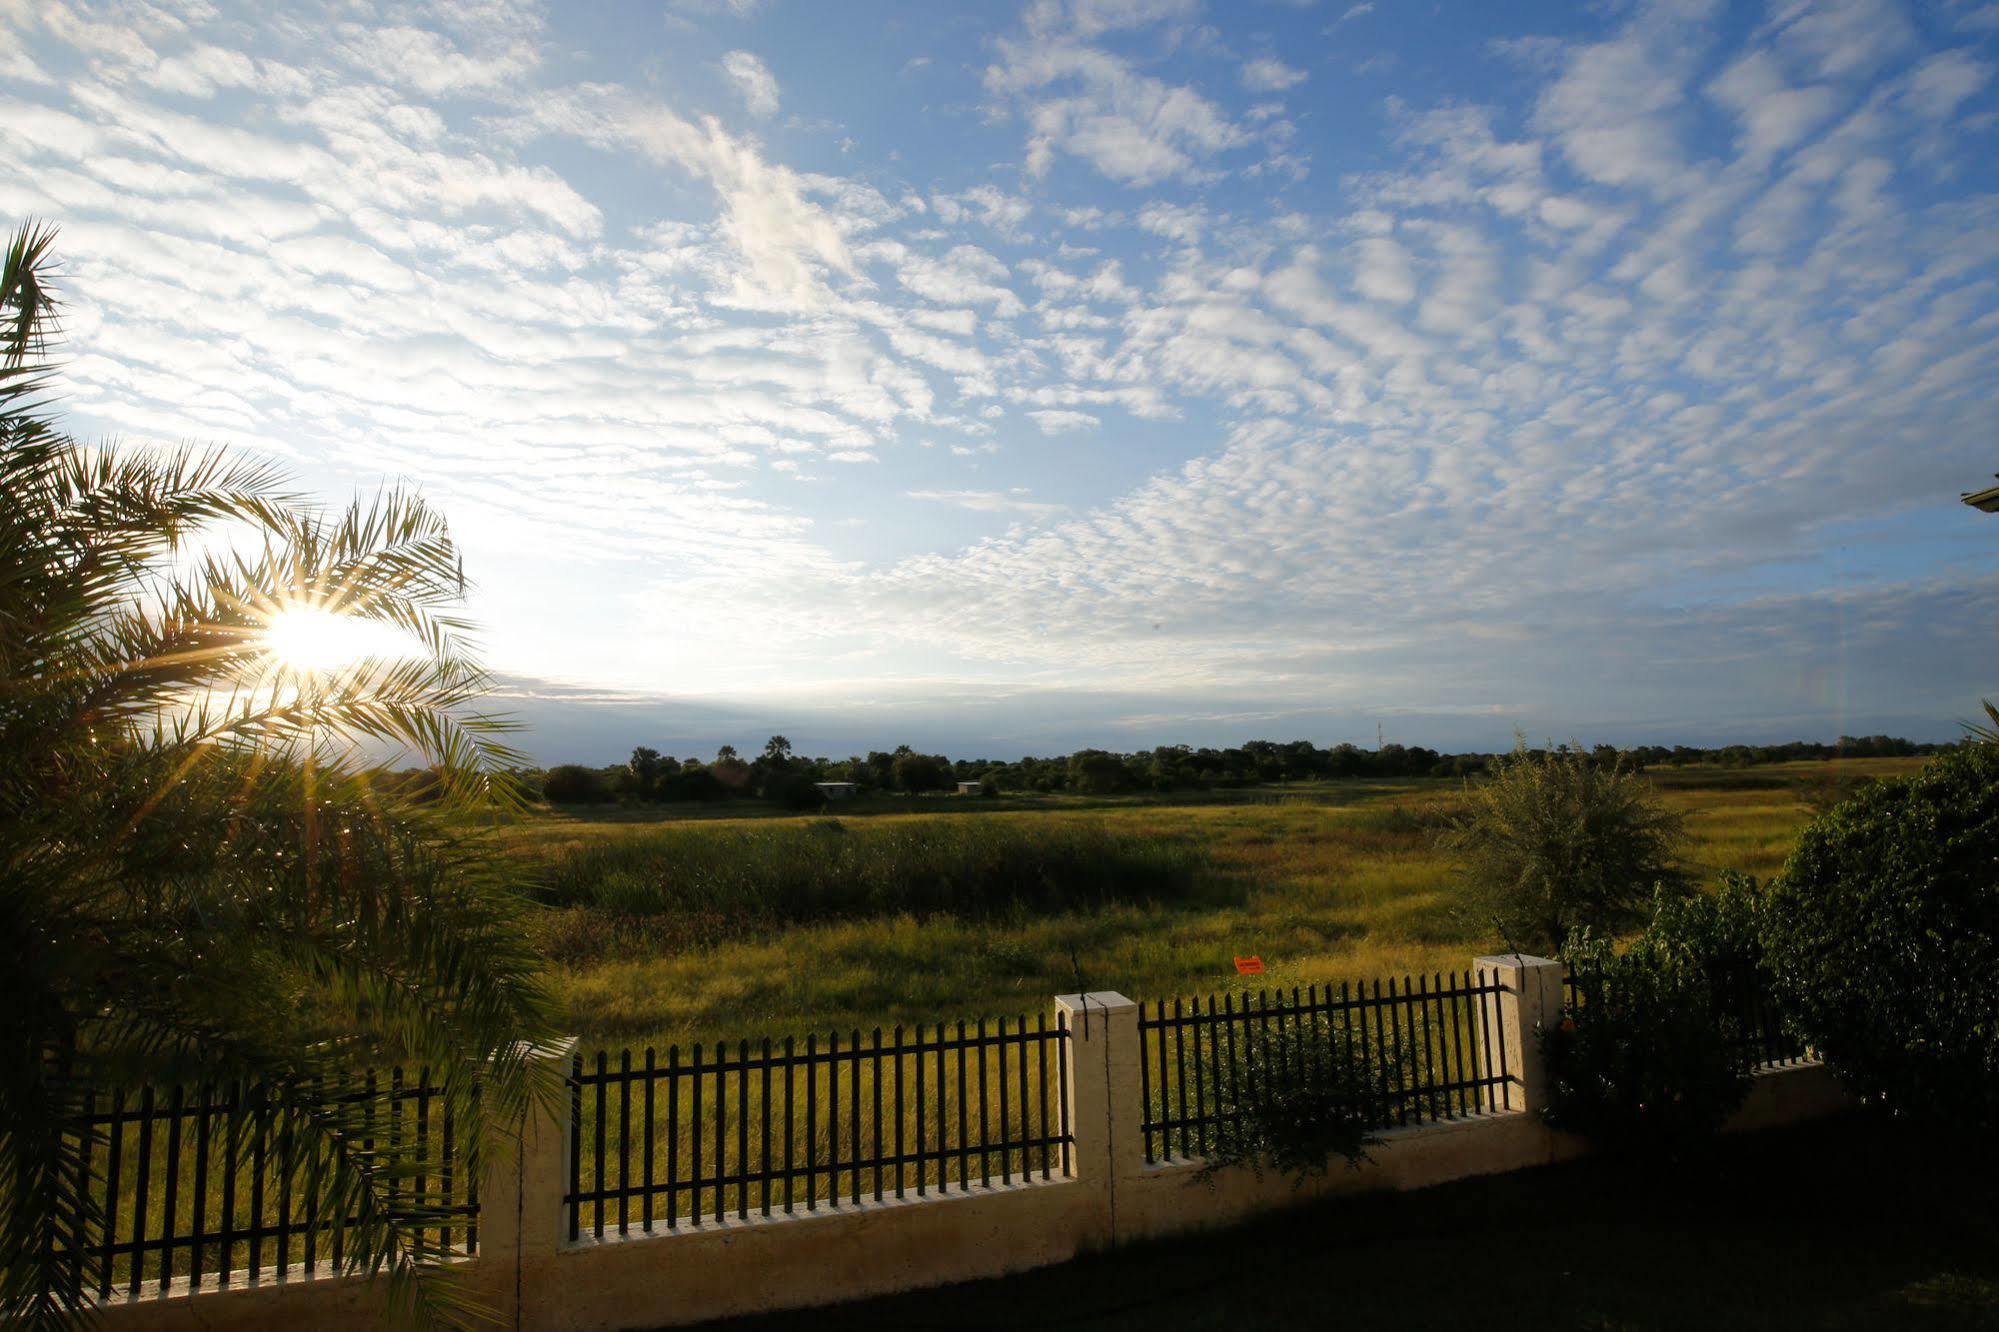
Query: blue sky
point(1004, 378)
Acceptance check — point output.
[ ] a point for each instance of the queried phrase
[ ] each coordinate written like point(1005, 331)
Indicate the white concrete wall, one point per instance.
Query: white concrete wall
point(531, 1277)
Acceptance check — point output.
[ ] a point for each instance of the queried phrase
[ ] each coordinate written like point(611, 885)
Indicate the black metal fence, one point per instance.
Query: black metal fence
point(1430, 1048)
point(794, 1125)
point(1743, 1006)
point(214, 1182)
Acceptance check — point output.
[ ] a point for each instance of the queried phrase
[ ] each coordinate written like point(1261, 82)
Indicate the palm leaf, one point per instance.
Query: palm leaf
point(199, 883)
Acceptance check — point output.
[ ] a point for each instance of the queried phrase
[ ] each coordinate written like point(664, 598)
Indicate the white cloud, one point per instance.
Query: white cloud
point(1058, 421)
point(985, 501)
point(1094, 104)
point(1176, 222)
point(1265, 74)
point(1943, 82)
point(1612, 108)
point(1774, 117)
point(1005, 213)
point(753, 82)
point(1382, 271)
point(1843, 37)
point(432, 63)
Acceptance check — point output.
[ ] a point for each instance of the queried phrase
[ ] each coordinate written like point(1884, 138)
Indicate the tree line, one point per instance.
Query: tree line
point(782, 775)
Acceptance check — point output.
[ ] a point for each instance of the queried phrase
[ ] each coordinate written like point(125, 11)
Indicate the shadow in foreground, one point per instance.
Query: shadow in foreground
point(1848, 1223)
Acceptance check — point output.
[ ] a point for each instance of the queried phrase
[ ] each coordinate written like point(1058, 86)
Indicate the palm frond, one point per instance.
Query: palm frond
point(198, 881)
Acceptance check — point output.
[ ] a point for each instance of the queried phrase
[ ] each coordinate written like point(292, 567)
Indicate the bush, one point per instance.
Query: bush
point(1559, 841)
point(574, 784)
point(1294, 1099)
point(1884, 935)
point(1656, 1055)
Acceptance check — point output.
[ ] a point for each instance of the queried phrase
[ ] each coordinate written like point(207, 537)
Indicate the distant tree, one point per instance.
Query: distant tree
point(1097, 772)
point(732, 772)
point(777, 751)
point(574, 784)
point(694, 781)
point(794, 790)
point(1555, 842)
point(922, 772)
point(646, 770)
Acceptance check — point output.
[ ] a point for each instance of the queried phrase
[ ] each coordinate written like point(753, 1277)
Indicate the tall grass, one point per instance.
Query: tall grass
point(1352, 887)
point(693, 883)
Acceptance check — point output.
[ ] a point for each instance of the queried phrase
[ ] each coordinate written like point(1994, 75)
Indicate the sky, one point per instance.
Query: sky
point(1004, 378)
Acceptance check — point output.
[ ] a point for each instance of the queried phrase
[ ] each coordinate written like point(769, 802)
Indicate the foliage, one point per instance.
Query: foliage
point(647, 771)
point(1884, 935)
point(917, 773)
point(1556, 841)
point(1183, 768)
point(1294, 1099)
point(196, 881)
point(784, 872)
point(1654, 1055)
point(574, 784)
point(794, 791)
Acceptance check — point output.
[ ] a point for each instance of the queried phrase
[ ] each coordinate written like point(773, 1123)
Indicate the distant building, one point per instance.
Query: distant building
point(838, 790)
point(970, 788)
point(1986, 500)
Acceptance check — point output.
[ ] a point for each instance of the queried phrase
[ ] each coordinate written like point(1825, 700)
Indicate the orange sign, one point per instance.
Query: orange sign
point(1249, 966)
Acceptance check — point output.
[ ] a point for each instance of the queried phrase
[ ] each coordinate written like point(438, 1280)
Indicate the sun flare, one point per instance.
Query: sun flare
point(311, 640)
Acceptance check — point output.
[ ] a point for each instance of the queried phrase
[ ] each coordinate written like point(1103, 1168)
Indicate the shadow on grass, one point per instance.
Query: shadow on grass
point(1843, 1224)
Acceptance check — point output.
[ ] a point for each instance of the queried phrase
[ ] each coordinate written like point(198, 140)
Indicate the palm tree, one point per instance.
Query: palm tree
point(197, 879)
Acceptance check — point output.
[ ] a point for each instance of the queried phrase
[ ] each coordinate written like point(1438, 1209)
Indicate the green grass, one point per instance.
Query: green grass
point(1325, 882)
point(693, 885)
point(1838, 1225)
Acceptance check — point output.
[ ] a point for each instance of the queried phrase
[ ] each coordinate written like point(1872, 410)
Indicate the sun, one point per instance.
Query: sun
point(312, 640)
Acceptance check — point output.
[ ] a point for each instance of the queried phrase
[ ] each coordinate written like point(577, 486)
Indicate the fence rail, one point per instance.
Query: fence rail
point(206, 1183)
point(1429, 1049)
point(778, 1126)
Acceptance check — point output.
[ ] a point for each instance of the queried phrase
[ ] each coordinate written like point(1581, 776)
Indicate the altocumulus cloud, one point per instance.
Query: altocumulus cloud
point(1640, 393)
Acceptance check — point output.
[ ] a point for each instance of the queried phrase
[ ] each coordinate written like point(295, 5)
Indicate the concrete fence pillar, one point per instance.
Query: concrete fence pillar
point(1104, 1104)
point(1530, 999)
point(521, 1222)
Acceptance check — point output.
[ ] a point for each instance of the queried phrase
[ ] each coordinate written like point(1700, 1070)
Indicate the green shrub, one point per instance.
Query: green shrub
point(1884, 935)
point(1293, 1100)
point(1558, 841)
point(1656, 1054)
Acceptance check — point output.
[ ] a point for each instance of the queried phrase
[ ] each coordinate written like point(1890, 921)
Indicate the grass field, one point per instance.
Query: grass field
point(1324, 881)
